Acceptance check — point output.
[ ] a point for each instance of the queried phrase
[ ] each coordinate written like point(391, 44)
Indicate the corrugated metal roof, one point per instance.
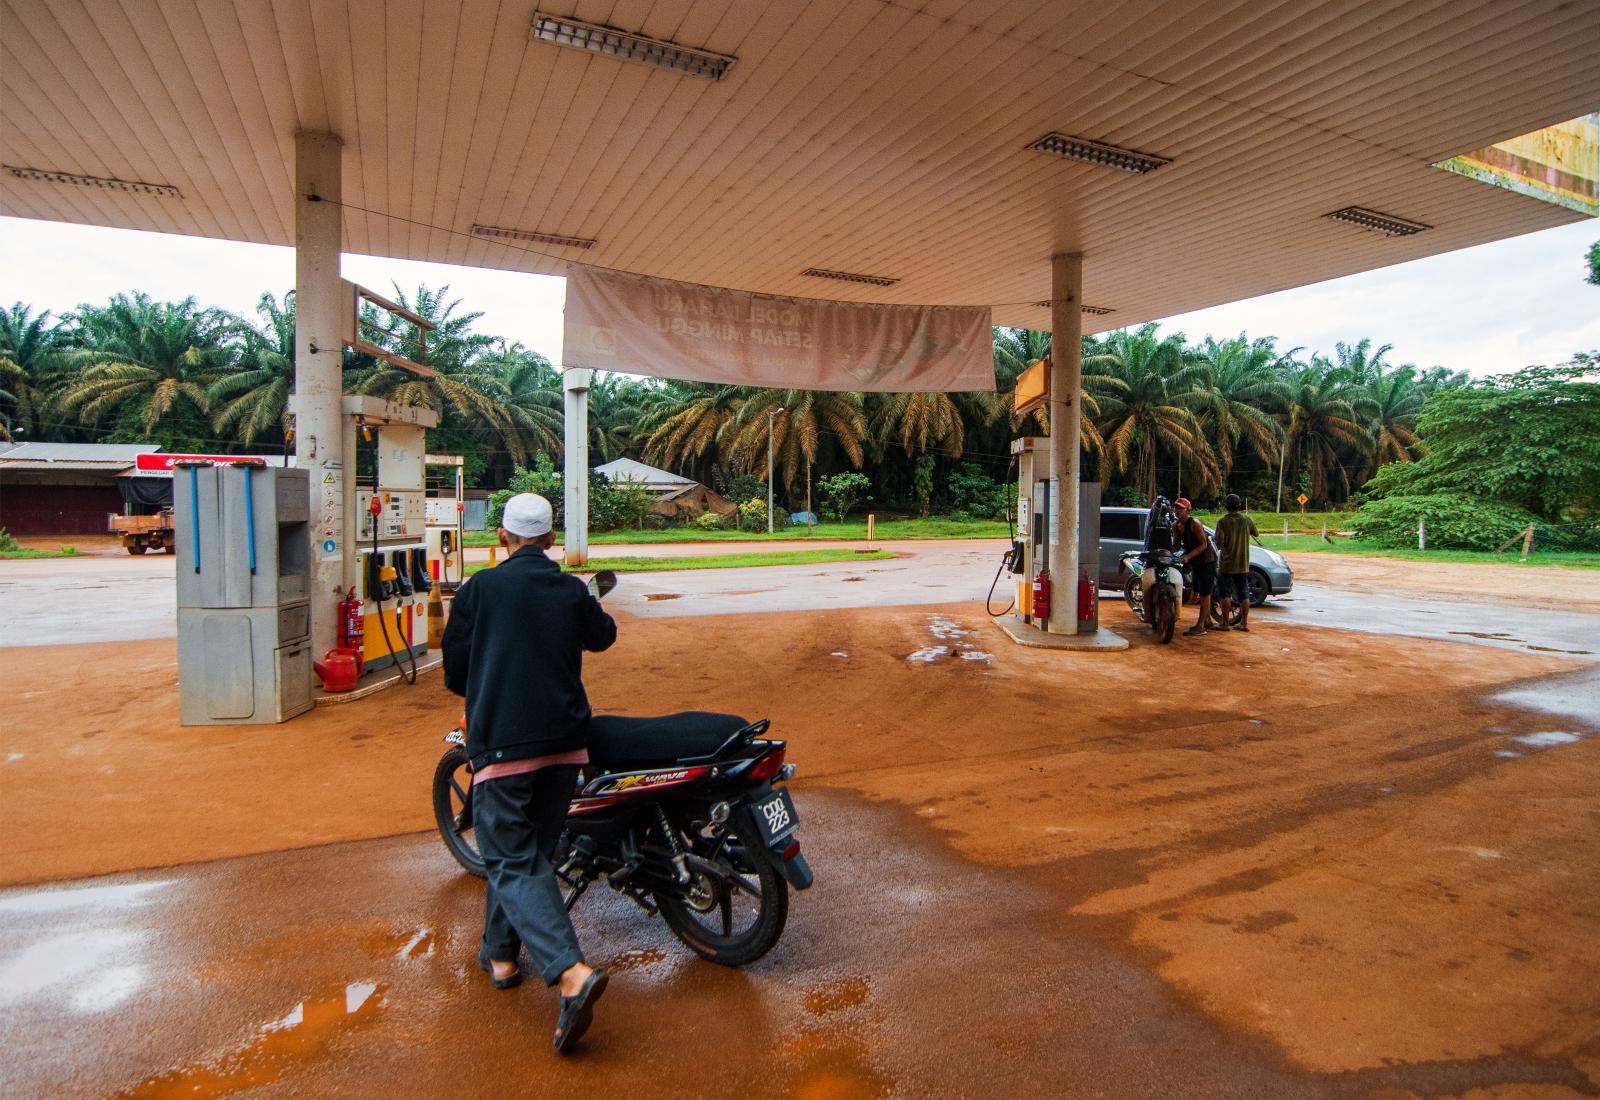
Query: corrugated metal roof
point(81, 456)
point(627, 469)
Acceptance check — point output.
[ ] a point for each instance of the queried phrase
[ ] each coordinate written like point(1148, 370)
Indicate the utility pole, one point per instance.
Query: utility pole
point(770, 414)
point(1283, 456)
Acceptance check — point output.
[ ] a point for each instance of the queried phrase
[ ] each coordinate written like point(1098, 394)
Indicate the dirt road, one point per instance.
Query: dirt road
point(1293, 863)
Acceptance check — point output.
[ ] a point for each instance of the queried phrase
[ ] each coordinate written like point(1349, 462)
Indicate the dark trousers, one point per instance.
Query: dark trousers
point(519, 819)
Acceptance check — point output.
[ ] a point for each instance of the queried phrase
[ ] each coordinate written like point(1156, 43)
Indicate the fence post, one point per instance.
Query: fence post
point(1527, 543)
point(1422, 532)
point(1286, 532)
point(1324, 530)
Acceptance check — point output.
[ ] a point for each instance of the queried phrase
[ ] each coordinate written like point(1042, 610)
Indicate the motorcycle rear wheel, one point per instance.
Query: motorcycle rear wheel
point(1134, 595)
point(695, 915)
point(1165, 615)
point(452, 810)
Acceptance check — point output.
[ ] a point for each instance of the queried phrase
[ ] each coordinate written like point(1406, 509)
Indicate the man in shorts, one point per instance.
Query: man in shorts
point(1234, 532)
point(1190, 537)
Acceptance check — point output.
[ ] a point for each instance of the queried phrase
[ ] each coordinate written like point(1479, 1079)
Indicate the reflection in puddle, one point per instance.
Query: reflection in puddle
point(1545, 739)
point(81, 897)
point(414, 943)
point(636, 958)
point(79, 961)
point(662, 595)
point(302, 1034)
point(836, 996)
point(928, 654)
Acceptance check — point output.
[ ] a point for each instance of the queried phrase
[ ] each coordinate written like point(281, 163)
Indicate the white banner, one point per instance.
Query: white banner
point(667, 329)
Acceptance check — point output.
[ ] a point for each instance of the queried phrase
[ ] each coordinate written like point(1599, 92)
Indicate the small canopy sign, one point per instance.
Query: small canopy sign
point(643, 325)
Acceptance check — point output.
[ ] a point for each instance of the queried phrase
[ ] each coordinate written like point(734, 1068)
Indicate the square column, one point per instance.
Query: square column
point(575, 472)
point(1066, 380)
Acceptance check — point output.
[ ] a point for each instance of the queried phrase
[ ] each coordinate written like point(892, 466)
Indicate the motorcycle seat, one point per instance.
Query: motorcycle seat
point(619, 743)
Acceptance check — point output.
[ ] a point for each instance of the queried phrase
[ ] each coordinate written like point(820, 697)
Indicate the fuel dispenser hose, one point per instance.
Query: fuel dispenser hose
point(377, 598)
point(1005, 559)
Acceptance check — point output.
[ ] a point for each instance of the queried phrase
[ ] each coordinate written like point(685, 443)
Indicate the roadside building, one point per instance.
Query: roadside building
point(672, 495)
point(63, 488)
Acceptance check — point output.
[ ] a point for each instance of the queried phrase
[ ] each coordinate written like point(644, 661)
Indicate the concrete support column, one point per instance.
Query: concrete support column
point(1066, 379)
point(318, 373)
point(575, 472)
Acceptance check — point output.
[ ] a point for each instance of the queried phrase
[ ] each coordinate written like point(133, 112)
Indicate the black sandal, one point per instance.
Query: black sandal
point(577, 1013)
point(510, 981)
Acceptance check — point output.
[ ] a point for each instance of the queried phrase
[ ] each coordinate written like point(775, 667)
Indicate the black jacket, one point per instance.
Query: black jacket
point(514, 647)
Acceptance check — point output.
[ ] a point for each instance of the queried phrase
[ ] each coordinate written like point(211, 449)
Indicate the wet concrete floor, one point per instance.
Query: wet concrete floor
point(347, 971)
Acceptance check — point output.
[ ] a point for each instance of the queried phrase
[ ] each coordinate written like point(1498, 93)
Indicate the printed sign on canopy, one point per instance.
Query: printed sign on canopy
point(642, 325)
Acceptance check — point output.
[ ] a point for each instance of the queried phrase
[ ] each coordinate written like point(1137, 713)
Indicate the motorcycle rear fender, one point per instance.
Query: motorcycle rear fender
point(795, 870)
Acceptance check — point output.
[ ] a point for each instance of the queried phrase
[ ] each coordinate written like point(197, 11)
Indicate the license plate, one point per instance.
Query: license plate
point(776, 817)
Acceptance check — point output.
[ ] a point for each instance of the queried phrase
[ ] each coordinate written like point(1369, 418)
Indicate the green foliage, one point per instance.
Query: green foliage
point(975, 493)
point(1455, 521)
point(743, 487)
point(710, 521)
point(922, 483)
point(542, 479)
point(841, 492)
point(8, 541)
point(753, 514)
point(1529, 439)
point(635, 502)
point(1594, 264)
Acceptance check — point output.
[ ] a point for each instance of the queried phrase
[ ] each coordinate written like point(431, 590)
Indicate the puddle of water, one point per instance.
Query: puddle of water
point(848, 580)
point(636, 958)
point(1570, 697)
point(945, 629)
point(1507, 754)
point(278, 1047)
point(126, 895)
point(410, 944)
point(928, 654)
point(1545, 739)
point(975, 655)
point(832, 1067)
point(663, 595)
point(836, 996)
point(838, 653)
point(13, 757)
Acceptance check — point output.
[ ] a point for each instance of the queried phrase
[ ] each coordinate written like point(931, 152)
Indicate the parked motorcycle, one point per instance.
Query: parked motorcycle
point(1154, 589)
point(683, 814)
point(1132, 563)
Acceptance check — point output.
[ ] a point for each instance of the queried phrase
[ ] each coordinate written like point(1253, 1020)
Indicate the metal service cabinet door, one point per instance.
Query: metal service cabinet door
point(196, 518)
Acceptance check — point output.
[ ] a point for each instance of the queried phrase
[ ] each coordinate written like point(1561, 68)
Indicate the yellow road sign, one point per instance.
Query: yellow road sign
point(1302, 498)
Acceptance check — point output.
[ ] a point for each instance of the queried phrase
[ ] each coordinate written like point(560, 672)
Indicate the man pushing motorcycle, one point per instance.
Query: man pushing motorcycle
point(514, 648)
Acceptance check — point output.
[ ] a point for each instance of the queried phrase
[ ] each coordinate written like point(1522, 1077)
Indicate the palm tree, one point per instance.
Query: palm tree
point(149, 362)
point(29, 360)
point(917, 420)
point(1360, 363)
point(1015, 350)
point(1245, 384)
point(530, 389)
point(1325, 413)
point(684, 429)
point(807, 425)
point(1396, 403)
point(1152, 400)
point(255, 396)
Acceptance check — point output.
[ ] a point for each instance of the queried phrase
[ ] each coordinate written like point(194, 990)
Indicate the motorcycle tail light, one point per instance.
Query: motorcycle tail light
point(767, 766)
point(792, 850)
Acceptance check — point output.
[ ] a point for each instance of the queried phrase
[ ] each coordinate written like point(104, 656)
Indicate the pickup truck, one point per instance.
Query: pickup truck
point(141, 533)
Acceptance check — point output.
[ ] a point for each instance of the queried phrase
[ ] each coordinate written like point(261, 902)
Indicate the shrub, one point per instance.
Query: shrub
point(975, 493)
point(709, 521)
point(8, 541)
point(1456, 521)
point(541, 479)
point(841, 492)
point(753, 513)
point(743, 487)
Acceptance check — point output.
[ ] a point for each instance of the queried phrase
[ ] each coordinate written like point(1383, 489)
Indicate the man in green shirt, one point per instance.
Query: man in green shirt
point(1234, 532)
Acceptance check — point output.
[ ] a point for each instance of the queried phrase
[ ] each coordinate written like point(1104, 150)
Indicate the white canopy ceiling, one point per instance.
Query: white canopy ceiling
point(868, 136)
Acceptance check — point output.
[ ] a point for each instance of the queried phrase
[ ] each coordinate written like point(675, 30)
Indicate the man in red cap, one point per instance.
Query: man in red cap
point(1190, 537)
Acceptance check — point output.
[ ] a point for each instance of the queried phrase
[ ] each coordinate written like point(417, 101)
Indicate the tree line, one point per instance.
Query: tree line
point(1158, 412)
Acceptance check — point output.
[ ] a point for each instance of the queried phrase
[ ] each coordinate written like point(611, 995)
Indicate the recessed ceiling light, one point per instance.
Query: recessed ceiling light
point(44, 175)
point(495, 232)
point(848, 277)
point(1387, 224)
point(564, 31)
point(1098, 311)
point(1095, 152)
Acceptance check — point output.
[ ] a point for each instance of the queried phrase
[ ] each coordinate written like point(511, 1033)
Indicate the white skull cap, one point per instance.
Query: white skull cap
point(527, 515)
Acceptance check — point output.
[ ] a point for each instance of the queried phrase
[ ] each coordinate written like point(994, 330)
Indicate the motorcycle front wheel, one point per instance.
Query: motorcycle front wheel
point(733, 916)
point(452, 810)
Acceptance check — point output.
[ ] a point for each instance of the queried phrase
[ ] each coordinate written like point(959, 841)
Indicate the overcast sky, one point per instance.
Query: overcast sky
point(1487, 309)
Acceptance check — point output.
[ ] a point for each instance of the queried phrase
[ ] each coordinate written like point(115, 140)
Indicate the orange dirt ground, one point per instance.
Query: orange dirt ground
point(1297, 829)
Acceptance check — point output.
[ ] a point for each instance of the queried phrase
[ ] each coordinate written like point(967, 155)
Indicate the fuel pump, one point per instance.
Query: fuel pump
point(1037, 499)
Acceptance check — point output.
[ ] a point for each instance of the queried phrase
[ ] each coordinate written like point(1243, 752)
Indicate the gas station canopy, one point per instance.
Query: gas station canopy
point(777, 145)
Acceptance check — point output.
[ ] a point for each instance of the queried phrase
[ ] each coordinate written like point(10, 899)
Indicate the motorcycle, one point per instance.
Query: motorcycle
point(683, 814)
point(1132, 563)
point(1154, 589)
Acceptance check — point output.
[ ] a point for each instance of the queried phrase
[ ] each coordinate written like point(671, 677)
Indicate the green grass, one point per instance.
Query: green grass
point(1273, 521)
point(718, 561)
point(934, 527)
point(1302, 544)
point(24, 552)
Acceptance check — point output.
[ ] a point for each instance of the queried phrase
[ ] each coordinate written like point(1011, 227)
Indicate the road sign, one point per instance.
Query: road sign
point(1302, 498)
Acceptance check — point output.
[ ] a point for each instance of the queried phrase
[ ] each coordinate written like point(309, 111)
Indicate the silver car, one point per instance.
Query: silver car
point(1122, 530)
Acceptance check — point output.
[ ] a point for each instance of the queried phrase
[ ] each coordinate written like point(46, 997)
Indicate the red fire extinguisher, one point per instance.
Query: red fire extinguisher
point(351, 628)
point(1086, 597)
point(1041, 594)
